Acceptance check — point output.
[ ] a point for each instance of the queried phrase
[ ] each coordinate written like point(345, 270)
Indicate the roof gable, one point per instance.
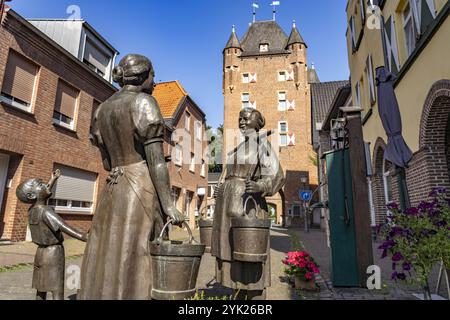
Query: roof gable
point(169, 96)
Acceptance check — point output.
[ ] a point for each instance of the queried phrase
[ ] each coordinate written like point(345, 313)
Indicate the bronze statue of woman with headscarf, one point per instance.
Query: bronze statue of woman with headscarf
point(252, 170)
point(128, 129)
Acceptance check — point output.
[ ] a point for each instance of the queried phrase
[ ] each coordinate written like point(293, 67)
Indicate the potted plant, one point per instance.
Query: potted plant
point(417, 239)
point(303, 268)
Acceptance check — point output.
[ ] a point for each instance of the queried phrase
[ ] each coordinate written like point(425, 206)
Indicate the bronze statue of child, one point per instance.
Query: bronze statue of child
point(47, 230)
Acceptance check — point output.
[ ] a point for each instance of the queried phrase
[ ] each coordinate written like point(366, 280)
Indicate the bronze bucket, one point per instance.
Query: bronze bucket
point(250, 237)
point(175, 266)
point(205, 226)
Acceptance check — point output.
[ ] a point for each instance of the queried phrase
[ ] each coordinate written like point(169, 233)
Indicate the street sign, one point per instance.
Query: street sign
point(305, 195)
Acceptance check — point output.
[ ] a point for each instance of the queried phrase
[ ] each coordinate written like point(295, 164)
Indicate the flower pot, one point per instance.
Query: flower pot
point(307, 285)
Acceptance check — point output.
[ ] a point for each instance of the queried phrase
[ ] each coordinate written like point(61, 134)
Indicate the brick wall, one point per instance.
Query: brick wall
point(34, 142)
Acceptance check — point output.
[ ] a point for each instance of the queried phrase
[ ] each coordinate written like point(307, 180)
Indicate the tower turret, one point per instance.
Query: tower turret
point(231, 55)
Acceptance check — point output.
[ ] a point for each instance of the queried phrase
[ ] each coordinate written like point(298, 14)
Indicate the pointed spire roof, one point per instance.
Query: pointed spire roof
point(233, 42)
point(295, 36)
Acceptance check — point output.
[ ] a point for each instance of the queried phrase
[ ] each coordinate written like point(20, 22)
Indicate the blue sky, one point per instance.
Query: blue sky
point(185, 38)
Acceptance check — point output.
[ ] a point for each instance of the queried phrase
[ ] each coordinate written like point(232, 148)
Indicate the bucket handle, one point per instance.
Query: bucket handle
point(191, 237)
point(246, 203)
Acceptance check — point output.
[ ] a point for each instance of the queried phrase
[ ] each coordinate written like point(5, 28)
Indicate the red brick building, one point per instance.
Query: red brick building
point(185, 143)
point(46, 104)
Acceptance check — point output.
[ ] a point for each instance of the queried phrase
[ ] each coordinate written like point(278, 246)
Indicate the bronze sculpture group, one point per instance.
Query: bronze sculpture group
point(136, 203)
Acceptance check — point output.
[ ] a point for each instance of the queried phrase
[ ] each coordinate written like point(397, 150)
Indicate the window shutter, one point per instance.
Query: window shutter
point(427, 14)
point(253, 105)
point(352, 32)
point(20, 76)
point(363, 12)
point(75, 184)
point(291, 105)
point(370, 73)
point(66, 99)
point(291, 139)
point(391, 46)
point(253, 77)
point(291, 75)
point(96, 57)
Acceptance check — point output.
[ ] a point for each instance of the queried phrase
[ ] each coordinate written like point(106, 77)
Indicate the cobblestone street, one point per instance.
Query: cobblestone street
point(15, 283)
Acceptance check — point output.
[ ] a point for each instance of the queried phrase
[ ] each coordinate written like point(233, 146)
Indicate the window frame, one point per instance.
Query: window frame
point(192, 163)
point(282, 133)
point(279, 93)
point(245, 101)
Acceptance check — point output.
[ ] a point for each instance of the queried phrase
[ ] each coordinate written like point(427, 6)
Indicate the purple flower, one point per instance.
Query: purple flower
point(412, 211)
point(441, 224)
point(424, 206)
point(401, 276)
point(406, 266)
point(394, 266)
point(387, 244)
point(396, 231)
point(398, 275)
point(384, 255)
point(437, 191)
point(392, 206)
point(397, 257)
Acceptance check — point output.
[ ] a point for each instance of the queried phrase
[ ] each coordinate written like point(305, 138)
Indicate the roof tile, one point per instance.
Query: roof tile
point(169, 96)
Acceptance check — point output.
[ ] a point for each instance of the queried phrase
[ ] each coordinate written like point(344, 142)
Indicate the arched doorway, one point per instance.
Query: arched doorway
point(382, 179)
point(434, 141)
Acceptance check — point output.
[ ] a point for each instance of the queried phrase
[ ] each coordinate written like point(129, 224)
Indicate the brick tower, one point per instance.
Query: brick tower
point(267, 70)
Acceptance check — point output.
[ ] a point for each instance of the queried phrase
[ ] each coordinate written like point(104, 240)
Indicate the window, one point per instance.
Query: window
point(74, 190)
point(19, 82)
point(358, 94)
point(187, 121)
point(192, 164)
point(283, 130)
point(264, 47)
point(95, 58)
point(203, 170)
point(198, 130)
point(246, 78)
point(245, 100)
point(282, 103)
point(65, 105)
point(371, 79)
point(282, 76)
point(178, 155)
point(175, 195)
point(410, 29)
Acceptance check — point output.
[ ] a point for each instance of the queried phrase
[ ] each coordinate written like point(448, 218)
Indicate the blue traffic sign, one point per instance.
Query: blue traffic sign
point(305, 195)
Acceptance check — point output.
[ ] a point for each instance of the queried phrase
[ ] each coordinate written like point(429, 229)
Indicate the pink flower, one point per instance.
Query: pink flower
point(308, 276)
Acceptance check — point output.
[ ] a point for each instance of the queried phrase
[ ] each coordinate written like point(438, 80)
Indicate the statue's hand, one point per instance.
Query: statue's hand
point(253, 187)
point(84, 237)
point(175, 215)
point(56, 174)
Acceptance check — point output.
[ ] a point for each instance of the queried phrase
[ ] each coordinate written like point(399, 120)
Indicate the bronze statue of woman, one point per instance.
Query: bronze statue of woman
point(252, 169)
point(128, 129)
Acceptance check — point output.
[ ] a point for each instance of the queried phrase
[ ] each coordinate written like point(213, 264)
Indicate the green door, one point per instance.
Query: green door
point(342, 223)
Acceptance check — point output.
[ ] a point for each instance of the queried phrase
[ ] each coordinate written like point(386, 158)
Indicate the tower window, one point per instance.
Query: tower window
point(264, 47)
point(283, 131)
point(245, 100)
point(282, 103)
point(282, 76)
point(246, 78)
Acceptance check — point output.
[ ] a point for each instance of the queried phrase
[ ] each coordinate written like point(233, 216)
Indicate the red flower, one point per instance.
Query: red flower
point(308, 276)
